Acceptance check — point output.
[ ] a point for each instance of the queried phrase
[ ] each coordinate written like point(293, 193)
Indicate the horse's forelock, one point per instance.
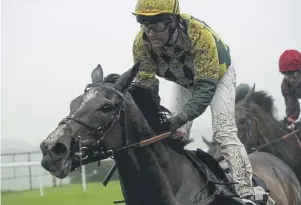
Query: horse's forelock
point(264, 101)
point(261, 98)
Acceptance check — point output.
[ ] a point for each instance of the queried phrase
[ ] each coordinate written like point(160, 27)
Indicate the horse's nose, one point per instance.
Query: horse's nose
point(44, 147)
point(57, 144)
point(59, 150)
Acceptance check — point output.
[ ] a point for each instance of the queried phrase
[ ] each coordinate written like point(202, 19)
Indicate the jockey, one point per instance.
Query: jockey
point(186, 51)
point(290, 67)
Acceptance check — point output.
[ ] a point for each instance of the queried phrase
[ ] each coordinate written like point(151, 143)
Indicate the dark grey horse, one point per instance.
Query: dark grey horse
point(110, 123)
point(257, 126)
point(278, 176)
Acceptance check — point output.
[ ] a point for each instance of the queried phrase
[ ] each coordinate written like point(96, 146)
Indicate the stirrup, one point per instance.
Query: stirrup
point(248, 202)
point(261, 196)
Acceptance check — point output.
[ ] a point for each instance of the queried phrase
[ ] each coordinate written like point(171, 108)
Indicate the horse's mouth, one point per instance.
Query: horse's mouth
point(63, 171)
point(59, 169)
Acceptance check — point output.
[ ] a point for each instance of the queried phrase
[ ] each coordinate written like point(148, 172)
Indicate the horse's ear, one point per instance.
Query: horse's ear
point(206, 141)
point(97, 75)
point(248, 97)
point(127, 78)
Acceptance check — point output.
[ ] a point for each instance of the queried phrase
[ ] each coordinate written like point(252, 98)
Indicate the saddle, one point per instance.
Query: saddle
point(219, 177)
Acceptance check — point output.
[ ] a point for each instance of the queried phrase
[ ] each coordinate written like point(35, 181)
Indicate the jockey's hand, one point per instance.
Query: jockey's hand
point(290, 123)
point(173, 124)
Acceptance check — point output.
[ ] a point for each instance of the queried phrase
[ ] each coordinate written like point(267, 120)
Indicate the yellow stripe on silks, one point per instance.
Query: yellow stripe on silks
point(145, 74)
point(222, 70)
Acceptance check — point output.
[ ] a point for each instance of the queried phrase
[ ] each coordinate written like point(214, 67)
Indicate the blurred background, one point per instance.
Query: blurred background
point(50, 47)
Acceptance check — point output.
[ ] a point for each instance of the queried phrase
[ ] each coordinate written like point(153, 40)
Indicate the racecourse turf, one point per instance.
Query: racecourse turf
point(96, 194)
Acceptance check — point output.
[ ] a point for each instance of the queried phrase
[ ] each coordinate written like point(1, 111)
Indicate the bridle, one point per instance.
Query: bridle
point(259, 130)
point(98, 149)
point(248, 121)
point(100, 132)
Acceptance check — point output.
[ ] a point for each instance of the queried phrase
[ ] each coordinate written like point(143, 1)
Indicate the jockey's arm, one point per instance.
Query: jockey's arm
point(206, 65)
point(291, 101)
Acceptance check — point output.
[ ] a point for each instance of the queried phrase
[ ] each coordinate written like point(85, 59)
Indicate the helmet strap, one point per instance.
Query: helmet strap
point(173, 31)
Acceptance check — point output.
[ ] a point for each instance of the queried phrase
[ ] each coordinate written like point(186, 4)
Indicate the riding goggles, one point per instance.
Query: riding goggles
point(292, 74)
point(156, 27)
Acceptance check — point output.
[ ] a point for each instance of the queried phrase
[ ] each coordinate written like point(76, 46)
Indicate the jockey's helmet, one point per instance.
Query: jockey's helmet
point(153, 11)
point(290, 61)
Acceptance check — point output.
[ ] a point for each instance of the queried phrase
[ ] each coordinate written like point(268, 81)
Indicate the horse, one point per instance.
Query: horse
point(153, 166)
point(278, 176)
point(258, 128)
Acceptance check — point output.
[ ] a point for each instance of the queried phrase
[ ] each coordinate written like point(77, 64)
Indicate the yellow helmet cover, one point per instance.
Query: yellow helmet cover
point(155, 7)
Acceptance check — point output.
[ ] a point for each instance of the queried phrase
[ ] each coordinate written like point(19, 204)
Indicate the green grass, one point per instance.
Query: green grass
point(96, 194)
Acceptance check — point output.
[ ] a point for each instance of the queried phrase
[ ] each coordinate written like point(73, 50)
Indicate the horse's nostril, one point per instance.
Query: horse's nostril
point(59, 149)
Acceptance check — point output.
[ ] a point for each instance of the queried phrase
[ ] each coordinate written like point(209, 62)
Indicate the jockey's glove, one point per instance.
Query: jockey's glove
point(289, 122)
point(172, 124)
point(175, 123)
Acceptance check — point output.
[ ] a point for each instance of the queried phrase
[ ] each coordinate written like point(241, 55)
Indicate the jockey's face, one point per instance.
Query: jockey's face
point(158, 33)
point(294, 78)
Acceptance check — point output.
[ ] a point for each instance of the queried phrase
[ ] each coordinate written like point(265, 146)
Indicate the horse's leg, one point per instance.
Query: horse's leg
point(123, 190)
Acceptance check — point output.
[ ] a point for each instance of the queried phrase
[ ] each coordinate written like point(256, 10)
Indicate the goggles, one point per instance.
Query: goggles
point(156, 27)
point(292, 74)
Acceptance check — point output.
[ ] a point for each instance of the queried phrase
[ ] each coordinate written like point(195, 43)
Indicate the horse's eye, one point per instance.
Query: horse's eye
point(106, 108)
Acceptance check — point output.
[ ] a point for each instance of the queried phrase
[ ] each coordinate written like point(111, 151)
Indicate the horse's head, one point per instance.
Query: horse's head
point(93, 120)
point(243, 114)
point(254, 113)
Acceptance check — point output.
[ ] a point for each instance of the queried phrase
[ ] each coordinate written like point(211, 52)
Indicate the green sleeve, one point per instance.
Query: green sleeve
point(202, 96)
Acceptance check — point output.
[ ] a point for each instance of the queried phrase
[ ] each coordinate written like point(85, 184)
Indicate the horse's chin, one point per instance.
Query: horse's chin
point(64, 170)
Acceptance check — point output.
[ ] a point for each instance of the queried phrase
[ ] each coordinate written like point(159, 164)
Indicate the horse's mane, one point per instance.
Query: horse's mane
point(154, 114)
point(261, 98)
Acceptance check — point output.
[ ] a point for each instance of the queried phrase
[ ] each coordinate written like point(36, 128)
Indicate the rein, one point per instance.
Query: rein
point(284, 137)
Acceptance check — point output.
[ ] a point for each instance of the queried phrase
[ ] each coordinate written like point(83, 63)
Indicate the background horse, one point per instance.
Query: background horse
point(257, 126)
point(152, 171)
point(278, 176)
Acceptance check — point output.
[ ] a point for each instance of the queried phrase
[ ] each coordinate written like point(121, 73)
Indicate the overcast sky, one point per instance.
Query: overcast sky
point(50, 47)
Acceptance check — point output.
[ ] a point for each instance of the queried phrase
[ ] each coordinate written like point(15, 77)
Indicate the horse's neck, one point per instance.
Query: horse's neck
point(140, 168)
point(269, 130)
point(155, 174)
point(267, 124)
